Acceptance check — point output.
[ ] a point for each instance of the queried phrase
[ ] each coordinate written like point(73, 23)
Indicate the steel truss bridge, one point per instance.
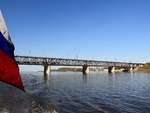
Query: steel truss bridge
point(31, 60)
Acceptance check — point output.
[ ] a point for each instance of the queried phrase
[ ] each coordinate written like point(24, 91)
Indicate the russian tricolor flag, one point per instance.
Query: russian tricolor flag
point(9, 71)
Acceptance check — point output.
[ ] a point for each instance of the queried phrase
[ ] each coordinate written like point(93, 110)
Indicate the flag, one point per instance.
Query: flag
point(9, 70)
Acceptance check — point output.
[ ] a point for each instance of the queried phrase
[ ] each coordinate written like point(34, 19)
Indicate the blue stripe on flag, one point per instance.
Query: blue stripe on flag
point(6, 47)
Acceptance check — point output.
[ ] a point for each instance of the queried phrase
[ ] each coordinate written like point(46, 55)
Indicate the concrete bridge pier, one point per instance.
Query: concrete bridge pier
point(85, 69)
point(111, 69)
point(47, 70)
point(131, 69)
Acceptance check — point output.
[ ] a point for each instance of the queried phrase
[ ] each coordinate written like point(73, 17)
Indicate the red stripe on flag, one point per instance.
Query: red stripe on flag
point(9, 71)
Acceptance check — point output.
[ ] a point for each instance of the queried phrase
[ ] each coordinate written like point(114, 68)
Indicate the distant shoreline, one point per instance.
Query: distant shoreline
point(145, 68)
point(64, 69)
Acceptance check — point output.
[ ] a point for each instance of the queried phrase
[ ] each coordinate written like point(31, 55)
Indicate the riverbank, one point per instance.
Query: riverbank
point(64, 69)
point(72, 69)
point(145, 68)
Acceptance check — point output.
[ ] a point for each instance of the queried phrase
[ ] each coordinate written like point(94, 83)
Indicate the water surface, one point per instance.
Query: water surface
point(93, 93)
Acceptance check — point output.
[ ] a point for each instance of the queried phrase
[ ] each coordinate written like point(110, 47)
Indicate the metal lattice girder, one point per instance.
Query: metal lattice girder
point(30, 60)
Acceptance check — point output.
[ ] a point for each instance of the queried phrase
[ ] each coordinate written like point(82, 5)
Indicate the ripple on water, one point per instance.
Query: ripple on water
point(75, 93)
point(12, 100)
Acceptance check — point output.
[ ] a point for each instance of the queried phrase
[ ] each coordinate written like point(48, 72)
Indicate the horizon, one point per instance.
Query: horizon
point(65, 29)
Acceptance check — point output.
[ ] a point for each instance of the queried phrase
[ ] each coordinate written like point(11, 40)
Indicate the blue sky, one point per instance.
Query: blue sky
point(115, 30)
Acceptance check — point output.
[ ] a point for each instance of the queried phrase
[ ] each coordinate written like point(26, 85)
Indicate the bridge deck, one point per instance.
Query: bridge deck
point(30, 60)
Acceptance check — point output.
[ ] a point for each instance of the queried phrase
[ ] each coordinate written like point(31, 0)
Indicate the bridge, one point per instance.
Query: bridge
point(47, 62)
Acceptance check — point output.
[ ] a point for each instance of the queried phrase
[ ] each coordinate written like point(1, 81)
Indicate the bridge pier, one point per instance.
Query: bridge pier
point(131, 69)
point(85, 69)
point(47, 70)
point(111, 69)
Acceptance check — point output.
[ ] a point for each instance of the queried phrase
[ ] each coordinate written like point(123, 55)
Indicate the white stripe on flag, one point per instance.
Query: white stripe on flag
point(3, 28)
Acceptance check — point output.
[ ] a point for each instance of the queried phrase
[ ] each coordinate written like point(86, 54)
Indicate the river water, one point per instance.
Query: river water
point(70, 92)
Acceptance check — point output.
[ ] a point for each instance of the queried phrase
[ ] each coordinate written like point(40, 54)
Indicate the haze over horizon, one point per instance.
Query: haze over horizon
point(85, 29)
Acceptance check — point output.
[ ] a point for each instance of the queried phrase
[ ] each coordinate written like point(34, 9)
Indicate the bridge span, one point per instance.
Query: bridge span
point(47, 62)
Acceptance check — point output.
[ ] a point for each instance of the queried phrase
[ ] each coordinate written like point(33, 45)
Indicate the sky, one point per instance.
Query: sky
point(112, 30)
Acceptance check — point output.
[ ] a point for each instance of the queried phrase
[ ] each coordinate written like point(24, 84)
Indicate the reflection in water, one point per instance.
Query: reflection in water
point(78, 93)
point(111, 76)
point(85, 78)
point(47, 79)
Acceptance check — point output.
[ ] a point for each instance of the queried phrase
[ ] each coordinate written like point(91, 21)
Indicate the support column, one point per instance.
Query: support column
point(131, 68)
point(47, 71)
point(111, 69)
point(128, 69)
point(85, 69)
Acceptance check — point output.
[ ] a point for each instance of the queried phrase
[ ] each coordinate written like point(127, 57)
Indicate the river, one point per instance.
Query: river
point(73, 92)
